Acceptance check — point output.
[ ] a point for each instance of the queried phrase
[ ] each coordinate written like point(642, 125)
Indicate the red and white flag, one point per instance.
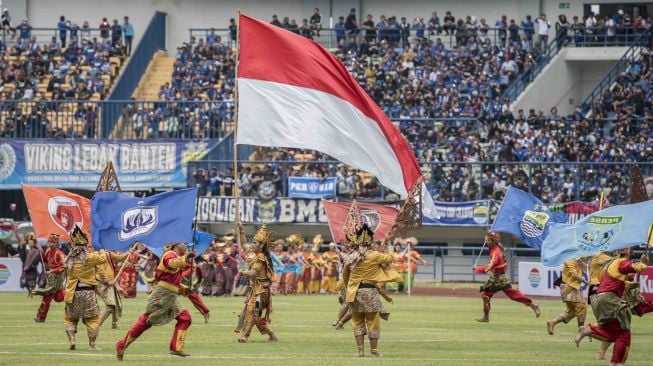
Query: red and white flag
point(294, 93)
point(55, 211)
point(378, 217)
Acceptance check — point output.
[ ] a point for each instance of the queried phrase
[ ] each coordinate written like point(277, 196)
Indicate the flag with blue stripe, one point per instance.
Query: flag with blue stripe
point(610, 229)
point(118, 221)
point(525, 216)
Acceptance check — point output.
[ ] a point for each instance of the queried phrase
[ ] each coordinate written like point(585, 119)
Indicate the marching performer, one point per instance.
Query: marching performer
point(572, 295)
point(498, 280)
point(107, 286)
point(129, 277)
point(331, 260)
point(53, 258)
point(612, 312)
point(30, 255)
point(363, 271)
point(193, 294)
point(81, 276)
point(415, 258)
point(344, 314)
point(162, 306)
point(259, 272)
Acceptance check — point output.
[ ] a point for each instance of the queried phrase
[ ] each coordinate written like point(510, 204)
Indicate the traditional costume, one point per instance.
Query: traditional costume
point(258, 298)
point(148, 273)
point(107, 286)
point(56, 277)
point(498, 280)
point(330, 274)
point(129, 277)
point(413, 257)
point(572, 295)
point(81, 276)
point(363, 272)
point(30, 255)
point(162, 305)
point(194, 295)
point(611, 309)
point(278, 286)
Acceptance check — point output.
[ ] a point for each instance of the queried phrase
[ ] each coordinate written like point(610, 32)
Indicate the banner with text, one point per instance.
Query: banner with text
point(309, 187)
point(257, 211)
point(472, 213)
point(139, 164)
point(536, 279)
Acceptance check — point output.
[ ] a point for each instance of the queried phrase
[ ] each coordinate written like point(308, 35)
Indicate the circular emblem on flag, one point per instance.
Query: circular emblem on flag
point(4, 274)
point(312, 187)
point(534, 278)
point(65, 212)
point(371, 218)
point(480, 214)
point(7, 161)
point(267, 190)
point(533, 223)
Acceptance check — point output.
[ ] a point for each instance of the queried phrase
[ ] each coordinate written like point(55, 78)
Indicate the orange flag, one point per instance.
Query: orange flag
point(379, 218)
point(54, 211)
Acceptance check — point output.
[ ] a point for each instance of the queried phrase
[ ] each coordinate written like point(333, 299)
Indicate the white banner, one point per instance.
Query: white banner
point(536, 279)
point(12, 268)
point(10, 271)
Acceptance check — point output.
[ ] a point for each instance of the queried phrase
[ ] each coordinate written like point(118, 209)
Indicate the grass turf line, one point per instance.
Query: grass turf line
point(421, 331)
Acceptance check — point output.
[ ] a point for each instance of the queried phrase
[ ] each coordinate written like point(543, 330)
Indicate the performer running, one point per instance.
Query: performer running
point(81, 303)
point(363, 271)
point(54, 290)
point(611, 311)
point(498, 280)
point(107, 286)
point(162, 305)
point(258, 296)
point(572, 296)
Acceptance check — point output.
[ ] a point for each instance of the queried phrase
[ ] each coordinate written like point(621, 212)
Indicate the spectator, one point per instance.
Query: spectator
point(275, 21)
point(316, 21)
point(306, 30)
point(340, 30)
point(116, 34)
point(5, 19)
point(105, 27)
point(25, 31)
point(562, 31)
point(233, 31)
point(128, 32)
point(543, 26)
point(351, 23)
point(63, 27)
point(434, 24)
point(370, 29)
point(528, 27)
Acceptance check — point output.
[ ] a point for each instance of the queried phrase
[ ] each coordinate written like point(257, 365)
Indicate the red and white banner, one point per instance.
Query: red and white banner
point(294, 93)
point(55, 211)
point(646, 283)
point(379, 218)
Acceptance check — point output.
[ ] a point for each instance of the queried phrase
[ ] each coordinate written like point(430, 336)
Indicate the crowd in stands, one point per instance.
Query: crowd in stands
point(76, 64)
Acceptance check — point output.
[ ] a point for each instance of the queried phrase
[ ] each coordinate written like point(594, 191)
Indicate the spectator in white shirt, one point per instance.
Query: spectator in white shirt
point(543, 26)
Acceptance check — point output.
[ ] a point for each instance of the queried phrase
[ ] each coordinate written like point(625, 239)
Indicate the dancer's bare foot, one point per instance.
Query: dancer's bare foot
point(179, 353)
point(549, 326)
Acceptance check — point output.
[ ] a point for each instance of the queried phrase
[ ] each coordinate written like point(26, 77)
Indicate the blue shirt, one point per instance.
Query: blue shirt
point(340, 30)
point(25, 31)
point(128, 30)
point(63, 27)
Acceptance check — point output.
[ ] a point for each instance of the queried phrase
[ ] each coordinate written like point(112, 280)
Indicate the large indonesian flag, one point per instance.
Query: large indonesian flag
point(379, 218)
point(54, 211)
point(294, 93)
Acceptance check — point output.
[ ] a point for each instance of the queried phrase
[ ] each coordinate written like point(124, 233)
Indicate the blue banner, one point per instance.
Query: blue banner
point(308, 187)
point(78, 163)
point(472, 213)
point(118, 221)
point(527, 217)
point(306, 211)
point(606, 230)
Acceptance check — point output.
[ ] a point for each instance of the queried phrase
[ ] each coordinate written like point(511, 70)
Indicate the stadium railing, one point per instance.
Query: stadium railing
point(44, 35)
point(630, 37)
point(527, 175)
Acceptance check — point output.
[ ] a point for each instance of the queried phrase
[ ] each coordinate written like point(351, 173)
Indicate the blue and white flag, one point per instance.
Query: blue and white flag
point(525, 216)
point(118, 221)
point(610, 229)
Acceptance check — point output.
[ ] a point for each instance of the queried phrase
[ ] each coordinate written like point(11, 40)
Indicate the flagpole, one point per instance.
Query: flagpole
point(197, 201)
point(235, 133)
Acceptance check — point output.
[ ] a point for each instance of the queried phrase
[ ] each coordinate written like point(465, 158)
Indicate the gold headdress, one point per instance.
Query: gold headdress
point(295, 240)
point(364, 236)
point(78, 237)
point(263, 236)
point(279, 243)
point(317, 242)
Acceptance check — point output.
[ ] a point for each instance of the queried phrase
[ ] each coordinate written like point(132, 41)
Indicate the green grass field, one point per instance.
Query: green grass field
point(421, 331)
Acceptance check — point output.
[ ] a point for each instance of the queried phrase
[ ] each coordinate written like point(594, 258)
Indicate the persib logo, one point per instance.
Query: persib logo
point(598, 233)
point(534, 278)
point(4, 274)
point(138, 221)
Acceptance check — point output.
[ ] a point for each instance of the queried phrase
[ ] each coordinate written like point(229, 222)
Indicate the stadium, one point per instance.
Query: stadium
point(341, 175)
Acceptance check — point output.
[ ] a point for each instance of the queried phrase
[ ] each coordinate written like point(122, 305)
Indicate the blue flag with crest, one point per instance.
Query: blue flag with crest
point(525, 216)
point(606, 230)
point(118, 221)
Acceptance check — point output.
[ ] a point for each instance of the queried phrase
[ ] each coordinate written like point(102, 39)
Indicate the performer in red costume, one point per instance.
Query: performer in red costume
point(613, 315)
point(194, 295)
point(498, 280)
point(53, 258)
point(162, 305)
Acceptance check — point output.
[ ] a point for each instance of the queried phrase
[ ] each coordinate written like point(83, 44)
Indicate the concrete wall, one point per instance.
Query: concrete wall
point(572, 74)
